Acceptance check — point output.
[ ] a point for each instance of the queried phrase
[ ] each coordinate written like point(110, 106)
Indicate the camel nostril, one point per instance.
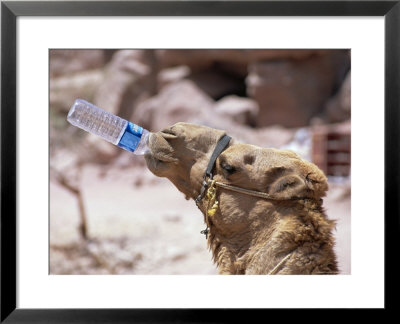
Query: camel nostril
point(168, 134)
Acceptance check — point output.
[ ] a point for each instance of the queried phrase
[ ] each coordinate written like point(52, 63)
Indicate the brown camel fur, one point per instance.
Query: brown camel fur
point(251, 235)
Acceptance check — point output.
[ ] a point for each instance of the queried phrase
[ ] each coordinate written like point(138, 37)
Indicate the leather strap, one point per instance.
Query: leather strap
point(221, 145)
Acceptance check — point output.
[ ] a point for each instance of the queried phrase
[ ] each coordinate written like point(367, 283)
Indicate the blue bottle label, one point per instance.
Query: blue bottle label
point(131, 137)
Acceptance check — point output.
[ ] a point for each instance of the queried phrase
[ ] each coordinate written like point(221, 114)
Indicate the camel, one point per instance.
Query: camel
point(281, 230)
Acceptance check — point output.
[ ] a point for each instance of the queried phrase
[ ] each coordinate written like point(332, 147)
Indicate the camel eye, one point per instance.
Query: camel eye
point(228, 168)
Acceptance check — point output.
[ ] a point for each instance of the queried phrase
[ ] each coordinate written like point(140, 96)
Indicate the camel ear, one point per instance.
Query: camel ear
point(288, 187)
point(295, 186)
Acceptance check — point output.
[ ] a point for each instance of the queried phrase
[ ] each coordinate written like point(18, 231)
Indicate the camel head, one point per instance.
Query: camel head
point(182, 151)
point(250, 234)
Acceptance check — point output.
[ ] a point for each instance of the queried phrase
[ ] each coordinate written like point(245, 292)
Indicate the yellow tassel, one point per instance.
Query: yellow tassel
point(212, 199)
point(211, 211)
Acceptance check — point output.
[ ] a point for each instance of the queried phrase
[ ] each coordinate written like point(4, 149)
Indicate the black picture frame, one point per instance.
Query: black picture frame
point(10, 10)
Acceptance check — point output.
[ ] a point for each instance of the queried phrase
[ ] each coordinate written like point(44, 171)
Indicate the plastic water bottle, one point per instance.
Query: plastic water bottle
point(113, 129)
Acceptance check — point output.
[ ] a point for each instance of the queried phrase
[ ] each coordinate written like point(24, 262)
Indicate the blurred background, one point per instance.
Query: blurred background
point(110, 215)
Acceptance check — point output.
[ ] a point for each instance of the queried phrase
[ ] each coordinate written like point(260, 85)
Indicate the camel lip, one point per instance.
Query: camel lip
point(161, 157)
point(155, 165)
point(157, 158)
point(158, 154)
